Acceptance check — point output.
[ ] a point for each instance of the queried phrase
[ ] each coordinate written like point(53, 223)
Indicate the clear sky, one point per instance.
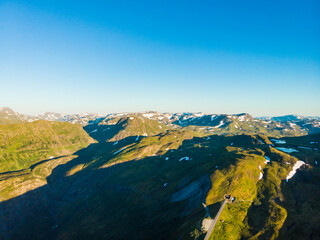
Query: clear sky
point(260, 57)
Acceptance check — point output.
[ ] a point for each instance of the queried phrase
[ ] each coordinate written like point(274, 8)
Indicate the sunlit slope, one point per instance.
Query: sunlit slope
point(22, 145)
point(118, 128)
point(154, 187)
point(271, 208)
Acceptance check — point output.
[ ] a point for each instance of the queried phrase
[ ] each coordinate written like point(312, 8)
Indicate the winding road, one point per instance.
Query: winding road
point(215, 219)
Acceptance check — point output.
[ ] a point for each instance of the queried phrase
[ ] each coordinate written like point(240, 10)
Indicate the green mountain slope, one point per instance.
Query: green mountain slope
point(25, 144)
point(153, 187)
point(118, 128)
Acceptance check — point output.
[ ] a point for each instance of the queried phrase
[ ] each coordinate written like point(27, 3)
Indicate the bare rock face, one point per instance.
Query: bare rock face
point(206, 223)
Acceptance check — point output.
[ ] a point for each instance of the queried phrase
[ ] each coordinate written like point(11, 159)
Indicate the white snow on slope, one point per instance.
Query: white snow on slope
point(267, 159)
point(242, 118)
point(292, 125)
point(184, 158)
point(213, 117)
point(296, 166)
point(261, 175)
point(278, 141)
point(148, 115)
point(198, 114)
point(220, 124)
point(115, 143)
point(119, 150)
point(137, 138)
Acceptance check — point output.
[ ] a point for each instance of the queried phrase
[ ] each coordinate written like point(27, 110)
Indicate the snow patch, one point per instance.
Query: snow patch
point(213, 117)
point(261, 175)
point(267, 159)
point(296, 166)
point(148, 115)
point(184, 158)
point(242, 118)
point(292, 125)
point(119, 150)
point(278, 141)
point(220, 124)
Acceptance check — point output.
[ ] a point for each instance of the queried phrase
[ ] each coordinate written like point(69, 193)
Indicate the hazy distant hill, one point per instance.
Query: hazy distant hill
point(289, 125)
point(8, 116)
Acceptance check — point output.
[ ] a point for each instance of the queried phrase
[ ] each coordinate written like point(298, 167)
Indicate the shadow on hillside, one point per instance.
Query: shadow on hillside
point(299, 197)
point(127, 200)
point(101, 132)
point(6, 175)
point(301, 200)
point(205, 121)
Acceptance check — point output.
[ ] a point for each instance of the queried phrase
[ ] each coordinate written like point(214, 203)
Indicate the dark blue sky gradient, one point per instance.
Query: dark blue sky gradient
point(260, 57)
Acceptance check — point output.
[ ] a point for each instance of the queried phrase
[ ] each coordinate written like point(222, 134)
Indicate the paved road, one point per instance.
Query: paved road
point(215, 220)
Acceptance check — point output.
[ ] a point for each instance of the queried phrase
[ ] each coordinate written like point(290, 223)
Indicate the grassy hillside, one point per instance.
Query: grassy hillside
point(119, 128)
point(25, 144)
point(153, 188)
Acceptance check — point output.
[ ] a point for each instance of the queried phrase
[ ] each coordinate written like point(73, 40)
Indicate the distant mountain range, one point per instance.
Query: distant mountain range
point(288, 125)
point(7, 115)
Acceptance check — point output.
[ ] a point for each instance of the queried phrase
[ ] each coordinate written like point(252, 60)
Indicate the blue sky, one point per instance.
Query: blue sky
point(260, 57)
